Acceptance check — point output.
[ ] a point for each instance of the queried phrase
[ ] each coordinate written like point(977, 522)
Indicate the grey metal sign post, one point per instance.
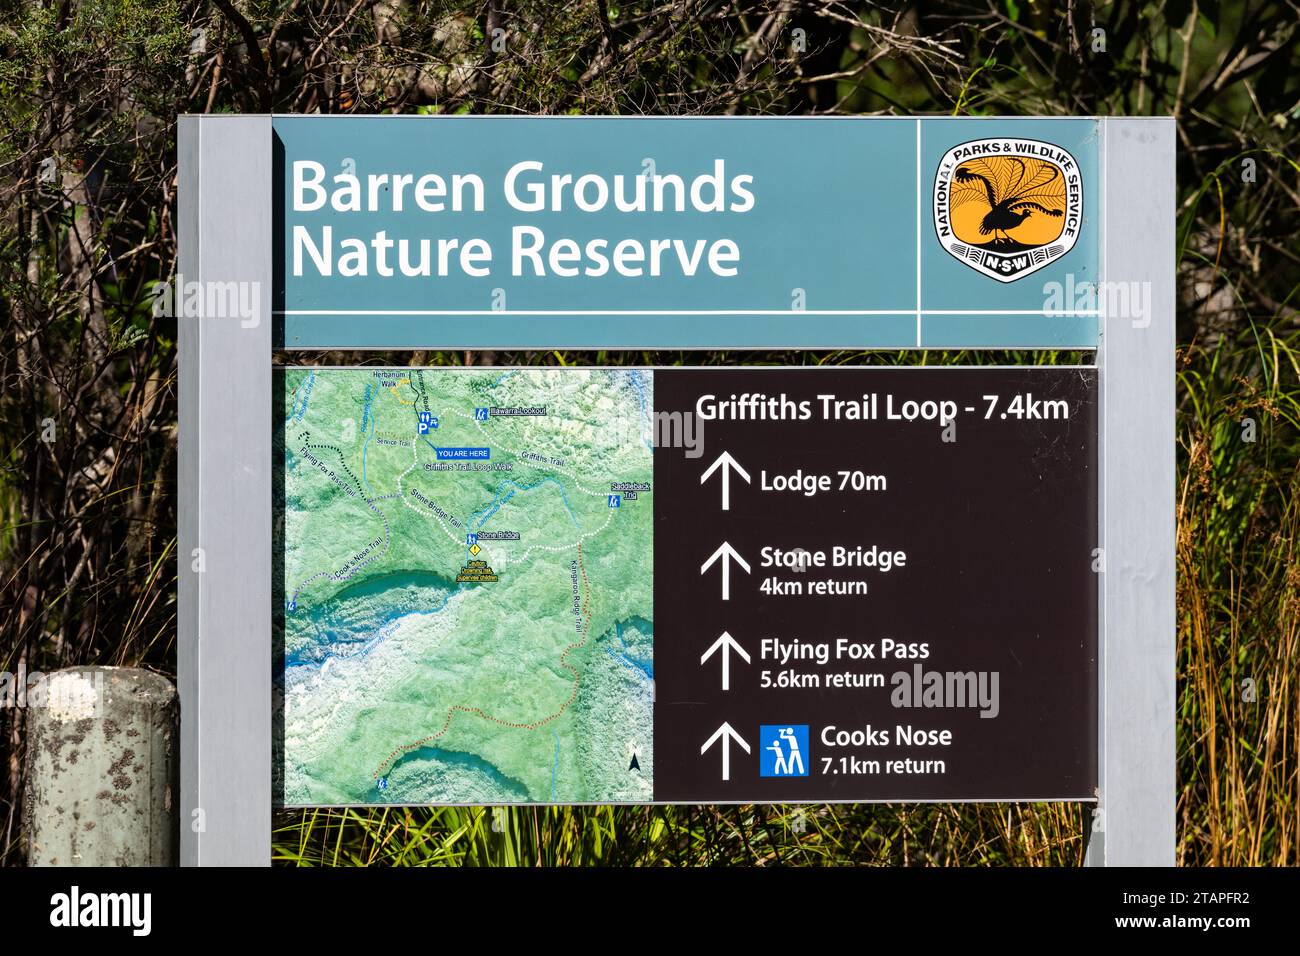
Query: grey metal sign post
point(224, 573)
point(1134, 824)
point(224, 303)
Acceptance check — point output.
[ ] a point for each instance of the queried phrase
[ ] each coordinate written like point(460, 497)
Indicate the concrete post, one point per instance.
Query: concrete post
point(102, 769)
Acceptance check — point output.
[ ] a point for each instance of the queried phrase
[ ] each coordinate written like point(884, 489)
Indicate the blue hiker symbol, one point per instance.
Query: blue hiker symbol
point(784, 750)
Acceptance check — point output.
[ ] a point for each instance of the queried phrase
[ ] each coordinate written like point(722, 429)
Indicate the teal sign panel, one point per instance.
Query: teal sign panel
point(668, 232)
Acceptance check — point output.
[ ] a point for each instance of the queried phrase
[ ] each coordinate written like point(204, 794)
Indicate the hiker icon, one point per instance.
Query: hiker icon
point(784, 750)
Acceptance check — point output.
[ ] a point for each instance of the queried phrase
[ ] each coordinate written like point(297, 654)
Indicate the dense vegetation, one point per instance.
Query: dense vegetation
point(89, 93)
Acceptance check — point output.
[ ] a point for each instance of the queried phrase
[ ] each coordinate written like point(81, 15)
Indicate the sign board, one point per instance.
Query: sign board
point(676, 584)
point(569, 588)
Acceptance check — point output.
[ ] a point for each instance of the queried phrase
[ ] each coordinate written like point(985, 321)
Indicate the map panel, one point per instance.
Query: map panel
point(468, 586)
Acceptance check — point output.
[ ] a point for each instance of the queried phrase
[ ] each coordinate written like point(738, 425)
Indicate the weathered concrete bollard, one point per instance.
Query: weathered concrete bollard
point(102, 769)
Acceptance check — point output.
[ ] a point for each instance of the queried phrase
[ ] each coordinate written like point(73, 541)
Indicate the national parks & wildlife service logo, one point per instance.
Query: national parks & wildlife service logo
point(1007, 207)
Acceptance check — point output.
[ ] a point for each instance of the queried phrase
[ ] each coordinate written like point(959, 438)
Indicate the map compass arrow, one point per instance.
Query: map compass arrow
point(728, 554)
point(728, 644)
point(727, 464)
point(727, 734)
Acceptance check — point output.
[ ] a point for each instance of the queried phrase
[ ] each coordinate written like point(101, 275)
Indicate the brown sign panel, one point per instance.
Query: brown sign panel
point(876, 584)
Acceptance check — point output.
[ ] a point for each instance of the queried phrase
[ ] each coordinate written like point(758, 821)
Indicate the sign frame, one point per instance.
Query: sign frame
point(225, 222)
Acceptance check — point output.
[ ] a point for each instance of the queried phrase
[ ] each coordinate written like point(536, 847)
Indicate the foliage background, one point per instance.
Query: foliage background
point(89, 93)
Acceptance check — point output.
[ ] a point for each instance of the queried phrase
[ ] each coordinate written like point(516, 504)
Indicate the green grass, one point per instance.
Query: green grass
point(1239, 603)
point(682, 836)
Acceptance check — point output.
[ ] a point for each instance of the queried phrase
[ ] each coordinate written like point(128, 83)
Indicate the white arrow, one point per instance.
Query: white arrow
point(728, 463)
point(728, 554)
point(728, 644)
point(728, 735)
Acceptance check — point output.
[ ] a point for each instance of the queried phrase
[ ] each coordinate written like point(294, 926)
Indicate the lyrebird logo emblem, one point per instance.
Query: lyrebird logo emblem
point(1007, 207)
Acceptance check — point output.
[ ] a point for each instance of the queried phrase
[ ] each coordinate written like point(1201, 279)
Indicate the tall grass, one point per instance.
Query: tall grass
point(939, 835)
point(1239, 601)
